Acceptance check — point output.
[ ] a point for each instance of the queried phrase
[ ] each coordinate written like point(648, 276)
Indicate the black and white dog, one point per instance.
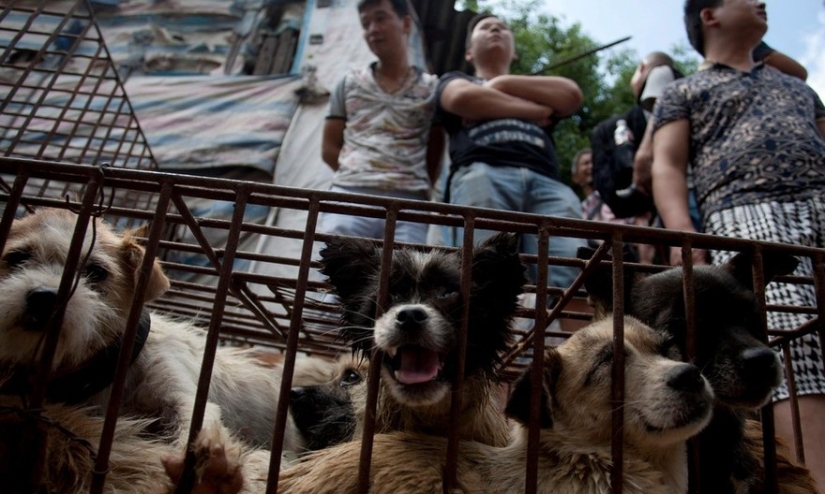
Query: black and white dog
point(418, 330)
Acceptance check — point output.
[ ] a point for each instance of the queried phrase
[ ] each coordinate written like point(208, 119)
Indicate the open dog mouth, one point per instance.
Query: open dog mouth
point(413, 364)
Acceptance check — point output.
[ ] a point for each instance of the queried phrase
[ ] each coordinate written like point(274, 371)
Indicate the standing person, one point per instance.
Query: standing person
point(378, 136)
point(754, 137)
point(501, 151)
point(593, 206)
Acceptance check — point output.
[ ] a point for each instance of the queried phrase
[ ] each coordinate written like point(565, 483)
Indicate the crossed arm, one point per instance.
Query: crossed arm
point(533, 98)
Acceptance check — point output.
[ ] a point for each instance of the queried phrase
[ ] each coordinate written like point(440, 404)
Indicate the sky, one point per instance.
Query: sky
point(795, 27)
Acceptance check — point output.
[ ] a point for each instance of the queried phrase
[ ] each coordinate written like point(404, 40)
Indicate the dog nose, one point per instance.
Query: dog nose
point(411, 318)
point(760, 362)
point(296, 393)
point(686, 378)
point(39, 306)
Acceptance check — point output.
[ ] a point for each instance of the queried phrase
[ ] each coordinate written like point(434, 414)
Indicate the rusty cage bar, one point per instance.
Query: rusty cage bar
point(277, 301)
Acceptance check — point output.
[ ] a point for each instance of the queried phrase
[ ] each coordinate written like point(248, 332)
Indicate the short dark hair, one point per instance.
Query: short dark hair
point(693, 21)
point(472, 25)
point(401, 7)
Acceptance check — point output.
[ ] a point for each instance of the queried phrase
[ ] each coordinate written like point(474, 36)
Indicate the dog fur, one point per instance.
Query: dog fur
point(742, 370)
point(325, 414)
point(162, 380)
point(666, 402)
point(70, 434)
point(417, 331)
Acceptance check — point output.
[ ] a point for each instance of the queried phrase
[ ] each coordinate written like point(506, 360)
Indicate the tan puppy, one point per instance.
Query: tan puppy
point(71, 434)
point(163, 375)
point(666, 402)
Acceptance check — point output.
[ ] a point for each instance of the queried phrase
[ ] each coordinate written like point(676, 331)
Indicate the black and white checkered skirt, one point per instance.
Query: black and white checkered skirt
point(799, 223)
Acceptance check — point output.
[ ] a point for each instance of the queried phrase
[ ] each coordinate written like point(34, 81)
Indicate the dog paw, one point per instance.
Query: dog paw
point(217, 463)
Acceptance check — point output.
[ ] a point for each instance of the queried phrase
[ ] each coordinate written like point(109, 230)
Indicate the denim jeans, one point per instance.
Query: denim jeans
point(359, 226)
point(519, 189)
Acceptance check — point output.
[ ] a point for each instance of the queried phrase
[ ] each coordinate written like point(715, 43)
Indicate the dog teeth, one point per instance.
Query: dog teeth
point(391, 352)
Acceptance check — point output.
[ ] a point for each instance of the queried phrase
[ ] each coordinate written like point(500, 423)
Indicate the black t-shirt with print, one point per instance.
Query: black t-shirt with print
point(500, 142)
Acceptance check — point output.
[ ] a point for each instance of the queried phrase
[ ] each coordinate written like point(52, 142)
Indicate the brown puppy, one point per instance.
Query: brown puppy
point(666, 402)
point(742, 370)
point(71, 435)
point(418, 329)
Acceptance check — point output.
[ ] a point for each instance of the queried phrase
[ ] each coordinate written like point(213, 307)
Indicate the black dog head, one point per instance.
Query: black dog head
point(325, 414)
point(742, 370)
point(418, 328)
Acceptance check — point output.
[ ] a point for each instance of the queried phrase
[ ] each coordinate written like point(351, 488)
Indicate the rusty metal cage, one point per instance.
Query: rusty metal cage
point(70, 140)
point(61, 98)
point(278, 302)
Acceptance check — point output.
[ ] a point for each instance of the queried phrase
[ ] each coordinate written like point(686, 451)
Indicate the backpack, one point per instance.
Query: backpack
point(613, 167)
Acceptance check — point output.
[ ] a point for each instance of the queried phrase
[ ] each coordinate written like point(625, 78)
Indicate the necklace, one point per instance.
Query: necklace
point(394, 88)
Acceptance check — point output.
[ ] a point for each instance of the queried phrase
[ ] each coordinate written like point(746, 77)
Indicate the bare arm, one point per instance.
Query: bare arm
point(643, 160)
point(560, 94)
point(435, 152)
point(332, 141)
point(820, 124)
point(473, 102)
point(670, 192)
point(786, 64)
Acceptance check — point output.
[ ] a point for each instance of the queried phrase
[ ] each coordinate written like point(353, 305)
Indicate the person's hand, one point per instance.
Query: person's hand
point(699, 256)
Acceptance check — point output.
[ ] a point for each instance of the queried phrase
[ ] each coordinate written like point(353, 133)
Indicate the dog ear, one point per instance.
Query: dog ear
point(496, 264)
point(349, 264)
point(599, 285)
point(132, 257)
point(518, 405)
point(774, 264)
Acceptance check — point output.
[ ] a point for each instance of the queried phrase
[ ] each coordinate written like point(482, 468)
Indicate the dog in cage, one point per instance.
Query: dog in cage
point(70, 435)
point(666, 402)
point(742, 370)
point(417, 331)
point(163, 373)
point(325, 414)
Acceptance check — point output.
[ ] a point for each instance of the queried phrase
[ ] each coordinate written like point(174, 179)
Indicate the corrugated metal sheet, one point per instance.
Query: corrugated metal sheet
point(444, 33)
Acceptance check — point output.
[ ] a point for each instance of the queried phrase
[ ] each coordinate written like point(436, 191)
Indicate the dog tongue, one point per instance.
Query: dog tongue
point(418, 365)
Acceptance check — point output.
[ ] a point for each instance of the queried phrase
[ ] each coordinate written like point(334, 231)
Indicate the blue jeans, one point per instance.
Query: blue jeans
point(359, 226)
point(519, 189)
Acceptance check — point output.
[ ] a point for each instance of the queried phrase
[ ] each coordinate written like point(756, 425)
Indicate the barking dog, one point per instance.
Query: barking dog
point(666, 402)
point(417, 331)
point(164, 371)
point(742, 370)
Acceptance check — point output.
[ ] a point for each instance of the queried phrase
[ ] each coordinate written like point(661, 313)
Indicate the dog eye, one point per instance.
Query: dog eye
point(446, 292)
point(16, 258)
point(351, 378)
point(96, 273)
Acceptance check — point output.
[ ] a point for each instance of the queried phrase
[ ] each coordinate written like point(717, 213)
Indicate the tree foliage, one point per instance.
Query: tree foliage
point(604, 77)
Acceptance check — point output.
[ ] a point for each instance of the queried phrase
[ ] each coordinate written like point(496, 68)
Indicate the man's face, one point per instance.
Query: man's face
point(584, 170)
point(739, 15)
point(385, 32)
point(491, 36)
